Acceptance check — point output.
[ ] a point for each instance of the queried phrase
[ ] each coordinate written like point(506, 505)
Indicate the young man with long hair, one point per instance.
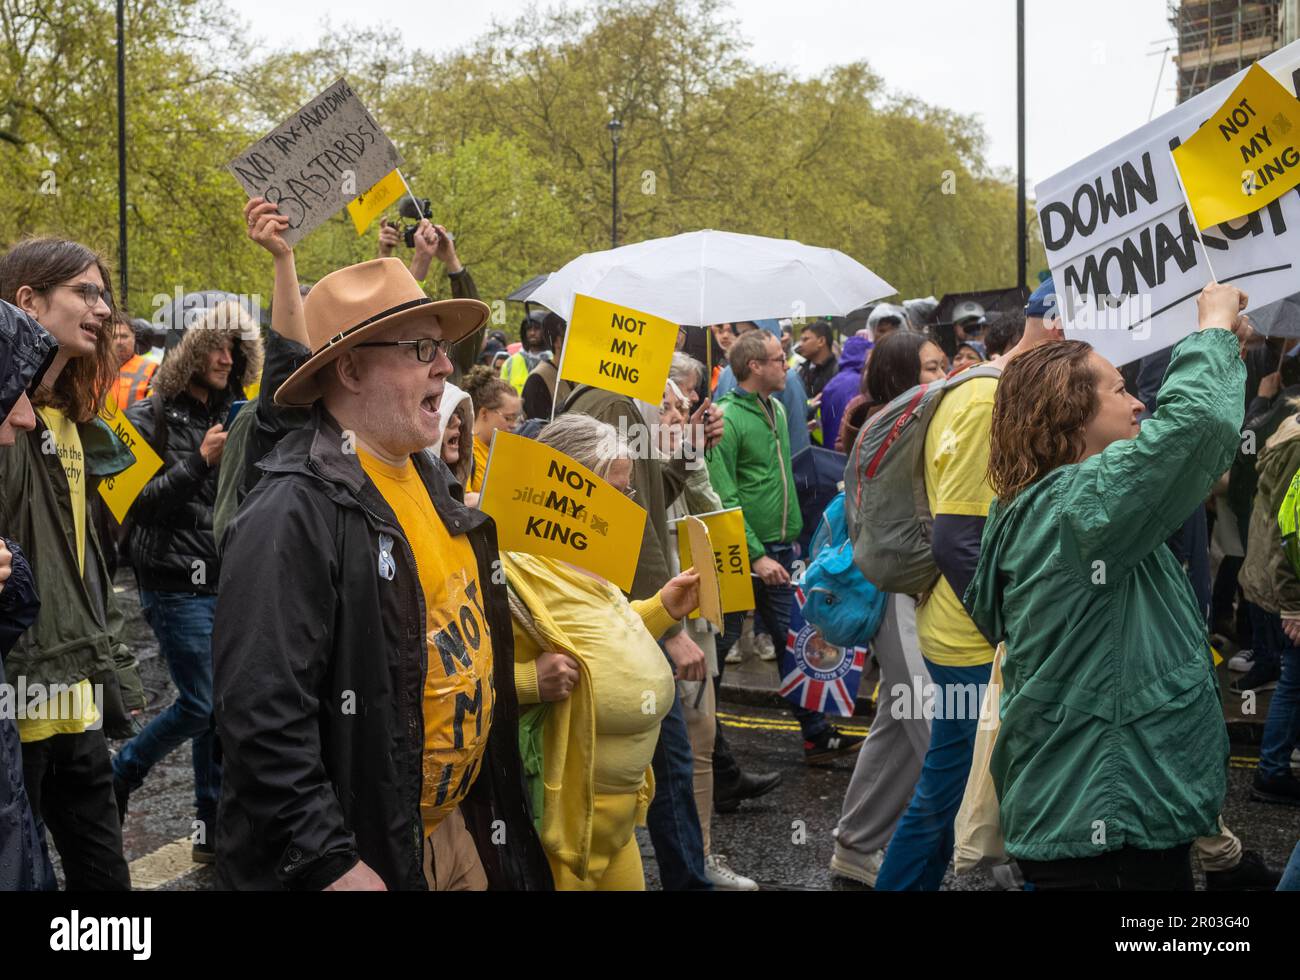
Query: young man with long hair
point(46, 483)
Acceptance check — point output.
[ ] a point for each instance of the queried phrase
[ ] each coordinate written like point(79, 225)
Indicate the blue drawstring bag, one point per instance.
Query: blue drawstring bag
point(838, 599)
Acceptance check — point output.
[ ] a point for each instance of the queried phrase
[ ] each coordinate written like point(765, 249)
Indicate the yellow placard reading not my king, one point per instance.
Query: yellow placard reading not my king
point(120, 490)
point(618, 349)
point(546, 503)
point(730, 557)
point(1246, 155)
point(370, 205)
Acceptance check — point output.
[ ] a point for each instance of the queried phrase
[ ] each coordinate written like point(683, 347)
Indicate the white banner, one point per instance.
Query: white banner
point(1124, 253)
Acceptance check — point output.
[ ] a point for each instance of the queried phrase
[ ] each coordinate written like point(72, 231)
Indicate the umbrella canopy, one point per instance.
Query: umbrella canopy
point(704, 277)
point(525, 292)
point(1278, 319)
point(818, 473)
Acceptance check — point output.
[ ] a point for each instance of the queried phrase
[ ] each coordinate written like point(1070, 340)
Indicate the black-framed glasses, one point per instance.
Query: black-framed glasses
point(426, 348)
point(89, 292)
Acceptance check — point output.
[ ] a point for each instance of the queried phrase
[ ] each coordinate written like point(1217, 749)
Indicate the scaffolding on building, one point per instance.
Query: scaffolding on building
point(1218, 38)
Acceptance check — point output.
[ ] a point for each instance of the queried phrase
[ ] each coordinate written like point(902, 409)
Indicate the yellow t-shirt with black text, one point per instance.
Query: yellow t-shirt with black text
point(459, 697)
point(74, 711)
point(956, 482)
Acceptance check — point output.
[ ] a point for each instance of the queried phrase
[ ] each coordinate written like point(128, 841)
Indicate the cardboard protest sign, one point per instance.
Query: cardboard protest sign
point(1244, 156)
point(730, 557)
point(710, 592)
point(370, 205)
point(545, 503)
point(1125, 256)
point(618, 349)
point(119, 491)
point(317, 160)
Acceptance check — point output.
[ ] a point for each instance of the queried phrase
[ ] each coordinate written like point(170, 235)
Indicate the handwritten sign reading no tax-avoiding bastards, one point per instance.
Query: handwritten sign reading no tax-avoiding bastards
point(317, 160)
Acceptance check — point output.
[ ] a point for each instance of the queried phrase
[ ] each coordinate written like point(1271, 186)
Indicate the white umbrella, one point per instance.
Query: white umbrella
point(704, 277)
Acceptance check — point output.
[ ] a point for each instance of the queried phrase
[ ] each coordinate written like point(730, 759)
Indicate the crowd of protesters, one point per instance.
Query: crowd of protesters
point(377, 697)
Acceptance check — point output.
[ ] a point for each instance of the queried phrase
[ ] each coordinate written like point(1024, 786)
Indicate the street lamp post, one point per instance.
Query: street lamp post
point(615, 128)
point(121, 151)
point(1022, 241)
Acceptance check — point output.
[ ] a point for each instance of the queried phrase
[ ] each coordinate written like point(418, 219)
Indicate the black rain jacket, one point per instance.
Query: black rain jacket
point(303, 618)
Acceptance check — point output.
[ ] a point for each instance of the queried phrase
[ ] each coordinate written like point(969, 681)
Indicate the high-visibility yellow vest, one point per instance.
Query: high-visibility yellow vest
point(515, 370)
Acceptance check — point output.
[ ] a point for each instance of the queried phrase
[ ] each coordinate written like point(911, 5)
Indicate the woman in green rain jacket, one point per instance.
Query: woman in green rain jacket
point(1112, 755)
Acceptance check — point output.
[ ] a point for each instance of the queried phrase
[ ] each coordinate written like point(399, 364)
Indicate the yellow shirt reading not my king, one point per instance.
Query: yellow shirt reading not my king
point(73, 711)
point(956, 482)
point(458, 694)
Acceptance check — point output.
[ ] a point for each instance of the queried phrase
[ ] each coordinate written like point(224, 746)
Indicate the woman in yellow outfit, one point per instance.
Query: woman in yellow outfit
point(593, 687)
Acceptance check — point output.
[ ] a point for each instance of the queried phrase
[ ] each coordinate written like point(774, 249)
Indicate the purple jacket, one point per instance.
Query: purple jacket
point(839, 391)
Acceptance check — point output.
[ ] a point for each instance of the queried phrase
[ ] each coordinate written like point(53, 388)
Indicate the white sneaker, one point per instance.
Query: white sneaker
point(746, 641)
point(856, 867)
point(1242, 662)
point(721, 876)
point(1008, 877)
point(763, 644)
point(735, 655)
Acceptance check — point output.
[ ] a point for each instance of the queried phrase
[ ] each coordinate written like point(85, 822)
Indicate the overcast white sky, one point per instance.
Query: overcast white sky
point(1090, 72)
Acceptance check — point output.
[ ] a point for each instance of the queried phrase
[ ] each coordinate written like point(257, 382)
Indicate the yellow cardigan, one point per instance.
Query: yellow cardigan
point(569, 731)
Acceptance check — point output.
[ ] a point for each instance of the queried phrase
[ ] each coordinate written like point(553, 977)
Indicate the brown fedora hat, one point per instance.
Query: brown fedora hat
point(352, 304)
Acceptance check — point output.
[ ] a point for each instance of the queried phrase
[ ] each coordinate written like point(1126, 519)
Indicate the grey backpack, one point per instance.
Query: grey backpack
point(886, 509)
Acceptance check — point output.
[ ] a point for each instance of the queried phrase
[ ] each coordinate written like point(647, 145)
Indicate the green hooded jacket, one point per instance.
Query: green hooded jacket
point(76, 635)
point(1112, 729)
point(750, 468)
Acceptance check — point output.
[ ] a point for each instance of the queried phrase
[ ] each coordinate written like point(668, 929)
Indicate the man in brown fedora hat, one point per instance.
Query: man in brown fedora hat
point(364, 671)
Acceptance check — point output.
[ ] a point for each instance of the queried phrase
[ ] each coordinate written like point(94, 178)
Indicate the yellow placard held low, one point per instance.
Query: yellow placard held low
point(120, 490)
point(546, 503)
point(370, 205)
point(618, 349)
point(730, 558)
point(1246, 155)
point(710, 607)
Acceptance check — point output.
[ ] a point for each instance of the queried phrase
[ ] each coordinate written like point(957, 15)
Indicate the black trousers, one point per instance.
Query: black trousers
point(70, 786)
point(1127, 869)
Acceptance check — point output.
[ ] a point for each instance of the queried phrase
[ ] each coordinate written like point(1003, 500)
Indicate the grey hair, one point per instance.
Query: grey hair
point(589, 441)
point(682, 367)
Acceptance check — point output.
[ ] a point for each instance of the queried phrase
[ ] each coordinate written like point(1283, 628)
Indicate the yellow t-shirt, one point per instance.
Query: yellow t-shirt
point(956, 482)
point(71, 711)
point(459, 698)
point(481, 450)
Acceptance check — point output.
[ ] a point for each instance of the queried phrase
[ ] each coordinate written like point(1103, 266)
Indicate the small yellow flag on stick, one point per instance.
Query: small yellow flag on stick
point(120, 490)
point(730, 557)
point(1246, 155)
point(370, 205)
point(618, 349)
point(546, 503)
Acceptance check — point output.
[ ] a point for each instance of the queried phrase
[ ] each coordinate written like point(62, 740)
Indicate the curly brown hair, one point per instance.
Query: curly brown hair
point(1044, 399)
point(43, 263)
point(486, 389)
